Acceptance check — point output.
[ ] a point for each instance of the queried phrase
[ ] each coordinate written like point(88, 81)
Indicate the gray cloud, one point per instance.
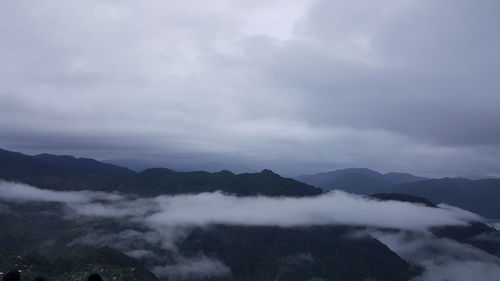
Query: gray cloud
point(397, 85)
point(425, 67)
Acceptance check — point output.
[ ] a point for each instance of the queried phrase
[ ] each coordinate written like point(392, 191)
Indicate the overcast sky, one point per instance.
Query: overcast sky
point(402, 85)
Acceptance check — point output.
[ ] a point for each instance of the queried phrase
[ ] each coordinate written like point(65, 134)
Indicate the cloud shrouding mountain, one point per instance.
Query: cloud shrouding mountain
point(443, 259)
point(216, 208)
point(163, 220)
point(411, 84)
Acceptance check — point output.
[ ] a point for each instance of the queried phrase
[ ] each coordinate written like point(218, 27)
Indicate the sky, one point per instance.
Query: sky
point(297, 86)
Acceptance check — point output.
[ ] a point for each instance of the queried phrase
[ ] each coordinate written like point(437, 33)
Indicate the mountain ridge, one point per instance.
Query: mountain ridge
point(358, 180)
point(481, 196)
point(70, 173)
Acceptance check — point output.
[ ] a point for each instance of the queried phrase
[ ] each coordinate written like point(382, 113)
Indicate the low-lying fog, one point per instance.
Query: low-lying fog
point(163, 219)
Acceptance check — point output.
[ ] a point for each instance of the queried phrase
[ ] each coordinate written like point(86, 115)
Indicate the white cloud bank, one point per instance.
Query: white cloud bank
point(217, 208)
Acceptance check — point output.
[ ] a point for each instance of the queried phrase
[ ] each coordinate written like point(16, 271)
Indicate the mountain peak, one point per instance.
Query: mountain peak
point(268, 172)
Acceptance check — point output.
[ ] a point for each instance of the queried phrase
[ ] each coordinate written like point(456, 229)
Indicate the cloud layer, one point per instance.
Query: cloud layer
point(216, 208)
point(159, 222)
point(397, 85)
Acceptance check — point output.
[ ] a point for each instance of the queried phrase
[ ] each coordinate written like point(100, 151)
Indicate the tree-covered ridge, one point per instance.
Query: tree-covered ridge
point(481, 196)
point(69, 173)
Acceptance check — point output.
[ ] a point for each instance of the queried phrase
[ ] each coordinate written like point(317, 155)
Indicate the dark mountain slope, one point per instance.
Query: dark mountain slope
point(37, 239)
point(83, 165)
point(165, 181)
point(17, 165)
point(252, 253)
point(59, 172)
point(403, 198)
point(275, 253)
point(479, 196)
point(475, 233)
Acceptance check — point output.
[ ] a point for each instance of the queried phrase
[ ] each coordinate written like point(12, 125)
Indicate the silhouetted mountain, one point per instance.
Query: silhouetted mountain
point(476, 234)
point(83, 165)
point(165, 181)
point(358, 180)
point(70, 173)
point(479, 196)
point(17, 165)
point(334, 252)
point(184, 163)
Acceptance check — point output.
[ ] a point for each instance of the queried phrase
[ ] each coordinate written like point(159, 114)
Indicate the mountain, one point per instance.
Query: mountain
point(83, 165)
point(358, 180)
point(184, 163)
point(403, 198)
point(17, 165)
point(70, 173)
point(297, 253)
point(479, 196)
point(40, 240)
point(475, 233)
point(76, 264)
point(36, 239)
point(41, 237)
point(165, 181)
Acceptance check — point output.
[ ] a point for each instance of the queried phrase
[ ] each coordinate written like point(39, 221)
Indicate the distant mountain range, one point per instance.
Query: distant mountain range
point(184, 163)
point(70, 173)
point(358, 180)
point(480, 196)
point(67, 172)
point(253, 253)
point(15, 164)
